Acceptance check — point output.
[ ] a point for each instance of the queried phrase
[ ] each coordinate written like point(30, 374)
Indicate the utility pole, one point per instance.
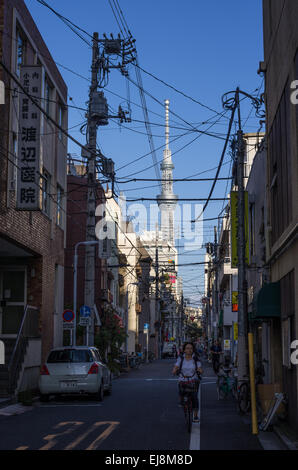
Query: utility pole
point(182, 319)
point(98, 115)
point(91, 196)
point(216, 280)
point(242, 304)
point(157, 312)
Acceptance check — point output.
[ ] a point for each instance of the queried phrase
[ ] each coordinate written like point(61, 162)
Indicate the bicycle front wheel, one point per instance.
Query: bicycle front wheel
point(243, 398)
point(188, 415)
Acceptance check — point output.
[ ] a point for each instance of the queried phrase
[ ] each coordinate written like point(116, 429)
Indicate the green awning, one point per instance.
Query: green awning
point(266, 302)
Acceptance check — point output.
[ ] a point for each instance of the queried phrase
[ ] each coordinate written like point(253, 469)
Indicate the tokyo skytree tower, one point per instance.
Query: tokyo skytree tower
point(167, 200)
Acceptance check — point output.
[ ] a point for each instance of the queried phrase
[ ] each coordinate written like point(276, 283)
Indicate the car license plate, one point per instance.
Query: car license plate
point(69, 384)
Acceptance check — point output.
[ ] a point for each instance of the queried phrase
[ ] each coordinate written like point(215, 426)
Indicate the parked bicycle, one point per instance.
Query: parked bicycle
point(226, 383)
point(151, 356)
point(134, 361)
point(244, 393)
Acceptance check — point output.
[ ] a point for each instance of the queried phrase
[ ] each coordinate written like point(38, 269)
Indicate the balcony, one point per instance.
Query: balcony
point(228, 316)
point(225, 271)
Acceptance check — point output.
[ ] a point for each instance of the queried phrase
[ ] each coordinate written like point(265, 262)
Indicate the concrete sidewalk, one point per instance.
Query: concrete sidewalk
point(222, 428)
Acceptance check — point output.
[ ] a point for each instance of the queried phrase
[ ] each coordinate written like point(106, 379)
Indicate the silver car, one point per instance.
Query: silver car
point(73, 370)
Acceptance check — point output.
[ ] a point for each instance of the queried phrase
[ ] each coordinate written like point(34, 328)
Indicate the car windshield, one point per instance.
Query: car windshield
point(70, 355)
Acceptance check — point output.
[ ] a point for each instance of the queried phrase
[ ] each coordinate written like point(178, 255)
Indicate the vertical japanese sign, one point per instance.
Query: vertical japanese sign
point(234, 228)
point(234, 301)
point(235, 331)
point(28, 182)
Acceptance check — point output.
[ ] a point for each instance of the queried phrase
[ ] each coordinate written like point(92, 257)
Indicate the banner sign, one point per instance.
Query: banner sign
point(29, 164)
point(235, 331)
point(234, 228)
point(234, 301)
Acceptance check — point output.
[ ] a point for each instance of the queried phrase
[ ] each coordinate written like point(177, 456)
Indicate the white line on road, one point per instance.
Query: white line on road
point(14, 410)
point(58, 405)
point(150, 380)
point(195, 439)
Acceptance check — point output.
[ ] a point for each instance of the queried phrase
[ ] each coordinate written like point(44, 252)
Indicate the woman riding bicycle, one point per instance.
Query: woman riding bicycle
point(188, 367)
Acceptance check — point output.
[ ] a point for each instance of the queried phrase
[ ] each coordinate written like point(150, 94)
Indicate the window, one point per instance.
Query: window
point(59, 218)
point(14, 162)
point(70, 355)
point(20, 51)
point(46, 192)
point(252, 229)
point(280, 167)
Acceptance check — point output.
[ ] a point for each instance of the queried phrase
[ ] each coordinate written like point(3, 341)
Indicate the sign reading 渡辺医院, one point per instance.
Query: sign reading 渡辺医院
point(29, 161)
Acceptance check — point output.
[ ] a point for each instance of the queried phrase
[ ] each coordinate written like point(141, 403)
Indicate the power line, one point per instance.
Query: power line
point(135, 63)
point(180, 199)
point(220, 162)
point(68, 22)
point(147, 168)
point(41, 109)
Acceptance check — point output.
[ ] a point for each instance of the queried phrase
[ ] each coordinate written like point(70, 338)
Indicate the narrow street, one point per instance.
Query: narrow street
point(141, 414)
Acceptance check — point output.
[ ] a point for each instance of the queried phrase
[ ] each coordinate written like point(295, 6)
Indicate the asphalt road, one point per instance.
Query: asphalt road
point(141, 414)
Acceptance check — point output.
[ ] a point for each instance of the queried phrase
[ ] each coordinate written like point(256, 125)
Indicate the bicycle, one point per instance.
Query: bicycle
point(215, 358)
point(244, 396)
point(226, 384)
point(151, 356)
point(186, 390)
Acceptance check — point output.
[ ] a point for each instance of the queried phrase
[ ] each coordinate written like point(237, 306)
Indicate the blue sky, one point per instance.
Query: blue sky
point(201, 48)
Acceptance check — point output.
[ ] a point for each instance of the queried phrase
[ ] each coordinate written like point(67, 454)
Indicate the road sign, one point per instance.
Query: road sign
point(68, 315)
point(146, 326)
point(85, 311)
point(85, 321)
point(68, 325)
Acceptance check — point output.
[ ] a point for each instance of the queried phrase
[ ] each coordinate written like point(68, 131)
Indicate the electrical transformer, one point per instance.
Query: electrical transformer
point(99, 108)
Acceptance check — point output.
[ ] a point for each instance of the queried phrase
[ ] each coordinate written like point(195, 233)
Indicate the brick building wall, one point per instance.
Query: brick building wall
point(35, 232)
